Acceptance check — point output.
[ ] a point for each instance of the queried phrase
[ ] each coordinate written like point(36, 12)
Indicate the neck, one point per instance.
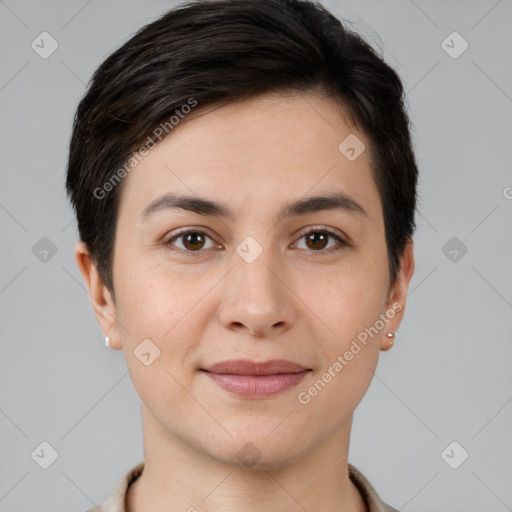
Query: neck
point(180, 477)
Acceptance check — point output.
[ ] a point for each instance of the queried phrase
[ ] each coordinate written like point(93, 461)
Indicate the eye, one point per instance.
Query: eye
point(193, 241)
point(318, 239)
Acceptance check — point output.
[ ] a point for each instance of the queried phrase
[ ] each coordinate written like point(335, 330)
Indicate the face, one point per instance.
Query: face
point(265, 273)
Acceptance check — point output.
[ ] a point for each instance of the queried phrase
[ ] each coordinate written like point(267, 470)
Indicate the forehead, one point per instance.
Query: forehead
point(273, 147)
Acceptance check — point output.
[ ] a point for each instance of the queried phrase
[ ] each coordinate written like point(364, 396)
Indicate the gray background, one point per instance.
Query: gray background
point(448, 377)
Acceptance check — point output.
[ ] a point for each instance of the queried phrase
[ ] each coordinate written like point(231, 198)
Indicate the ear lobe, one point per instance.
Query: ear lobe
point(387, 343)
point(101, 299)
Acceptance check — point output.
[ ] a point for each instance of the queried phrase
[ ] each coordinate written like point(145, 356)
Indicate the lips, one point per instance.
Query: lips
point(249, 379)
point(247, 367)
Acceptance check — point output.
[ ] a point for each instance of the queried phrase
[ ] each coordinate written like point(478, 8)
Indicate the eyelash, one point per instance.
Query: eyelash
point(341, 243)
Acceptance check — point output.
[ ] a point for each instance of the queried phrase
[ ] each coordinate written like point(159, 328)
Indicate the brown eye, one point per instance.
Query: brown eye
point(318, 241)
point(192, 241)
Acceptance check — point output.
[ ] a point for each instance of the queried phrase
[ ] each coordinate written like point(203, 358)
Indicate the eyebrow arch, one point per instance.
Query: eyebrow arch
point(202, 206)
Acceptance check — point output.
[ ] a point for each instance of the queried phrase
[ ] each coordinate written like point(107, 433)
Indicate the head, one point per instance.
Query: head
point(253, 110)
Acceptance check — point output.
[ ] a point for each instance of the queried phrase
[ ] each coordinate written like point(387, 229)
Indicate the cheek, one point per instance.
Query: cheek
point(338, 388)
point(349, 352)
point(350, 300)
point(351, 307)
point(354, 349)
point(161, 327)
point(154, 299)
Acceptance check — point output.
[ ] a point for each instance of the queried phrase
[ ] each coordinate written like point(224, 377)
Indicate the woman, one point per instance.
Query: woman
point(245, 189)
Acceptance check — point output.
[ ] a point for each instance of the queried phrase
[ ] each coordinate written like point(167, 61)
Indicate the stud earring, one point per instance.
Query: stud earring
point(390, 334)
point(107, 341)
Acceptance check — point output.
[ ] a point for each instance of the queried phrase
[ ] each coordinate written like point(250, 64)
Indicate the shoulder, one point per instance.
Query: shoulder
point(370, 495)
point(116, 501)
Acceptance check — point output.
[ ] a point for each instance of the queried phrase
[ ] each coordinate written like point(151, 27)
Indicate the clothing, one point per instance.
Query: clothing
point(116, 502)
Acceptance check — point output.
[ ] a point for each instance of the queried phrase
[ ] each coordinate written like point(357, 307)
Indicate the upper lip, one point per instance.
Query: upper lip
point(248, 367)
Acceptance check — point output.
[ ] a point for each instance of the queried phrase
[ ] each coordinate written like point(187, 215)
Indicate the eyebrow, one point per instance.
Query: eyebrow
point(203, 206)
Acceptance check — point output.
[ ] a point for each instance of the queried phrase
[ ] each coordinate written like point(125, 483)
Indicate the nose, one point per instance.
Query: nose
point(257, 297)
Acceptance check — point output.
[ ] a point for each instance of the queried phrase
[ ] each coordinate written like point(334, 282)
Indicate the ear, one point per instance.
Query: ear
point(101, 299)
point(398, 295)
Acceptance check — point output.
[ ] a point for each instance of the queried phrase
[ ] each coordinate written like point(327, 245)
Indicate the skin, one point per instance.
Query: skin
point(293, 302)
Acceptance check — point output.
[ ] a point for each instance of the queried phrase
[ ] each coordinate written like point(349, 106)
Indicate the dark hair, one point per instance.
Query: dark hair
point(220, 51)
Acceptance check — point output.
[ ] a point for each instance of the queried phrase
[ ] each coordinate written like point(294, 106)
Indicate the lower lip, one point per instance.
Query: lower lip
point(251, 386)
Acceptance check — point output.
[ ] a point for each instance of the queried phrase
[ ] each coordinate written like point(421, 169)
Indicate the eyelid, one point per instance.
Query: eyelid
point(190, 229)
point(327, 229)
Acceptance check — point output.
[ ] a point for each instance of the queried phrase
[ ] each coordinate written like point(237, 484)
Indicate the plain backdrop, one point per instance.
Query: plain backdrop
point(448, 378)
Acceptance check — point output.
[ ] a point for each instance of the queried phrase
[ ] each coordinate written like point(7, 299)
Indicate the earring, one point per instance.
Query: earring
point(390, 334)
point(107, 341)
